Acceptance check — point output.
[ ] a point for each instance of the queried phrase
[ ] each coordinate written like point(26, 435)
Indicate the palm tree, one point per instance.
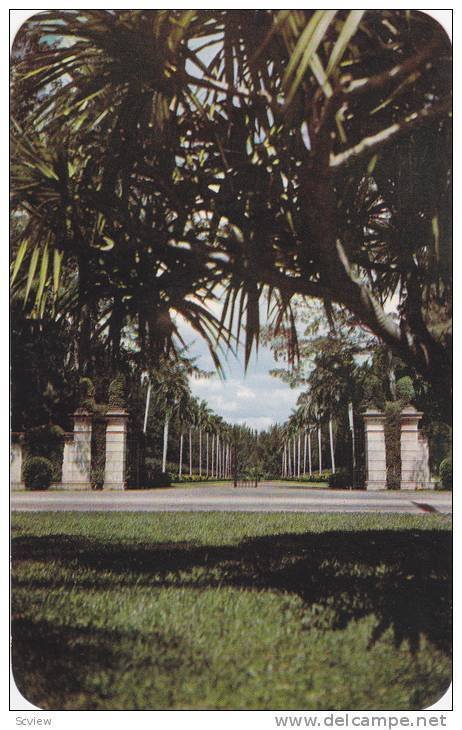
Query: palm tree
point(319, 448)
point(125, 104)
point(331, 441)
point(292, 440)
point(226, 451)
point(286, 431)
point(305, 414)
point(171, 390)
point(184, 417)
point(193, 414)
point(309, 450)
point(218, 430)
point(208, 427)
point(202, 419)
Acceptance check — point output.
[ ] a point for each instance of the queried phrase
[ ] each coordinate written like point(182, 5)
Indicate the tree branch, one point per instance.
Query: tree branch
point(380, 81)
point(369, 145)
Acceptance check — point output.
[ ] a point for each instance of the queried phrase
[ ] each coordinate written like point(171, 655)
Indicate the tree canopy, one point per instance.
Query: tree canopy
point(168, 157)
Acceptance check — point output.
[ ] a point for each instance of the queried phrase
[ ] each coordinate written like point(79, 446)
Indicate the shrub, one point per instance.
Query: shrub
point(86, 394)
point(47, 441)
point(37, 472)
point(155, 477)
point(315, 478)
point(405, 390)
point(342, 479)
point(373, 394)
point(446, 473)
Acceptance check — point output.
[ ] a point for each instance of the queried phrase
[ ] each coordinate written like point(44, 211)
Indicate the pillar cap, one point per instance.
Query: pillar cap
point(82, 413)
point(411, 412)
point(117, 412)
point(373, 413)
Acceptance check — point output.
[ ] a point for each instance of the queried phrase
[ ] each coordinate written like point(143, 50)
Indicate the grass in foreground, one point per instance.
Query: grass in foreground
point(231, 610)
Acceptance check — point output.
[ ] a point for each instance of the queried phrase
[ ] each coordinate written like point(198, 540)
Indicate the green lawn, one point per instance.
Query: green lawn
point(229, 483)
point(231, 610)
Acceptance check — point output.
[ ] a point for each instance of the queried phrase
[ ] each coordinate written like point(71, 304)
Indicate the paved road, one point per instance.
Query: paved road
point(224, 498)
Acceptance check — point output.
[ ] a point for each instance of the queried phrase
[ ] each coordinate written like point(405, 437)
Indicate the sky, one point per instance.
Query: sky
point(254, 397)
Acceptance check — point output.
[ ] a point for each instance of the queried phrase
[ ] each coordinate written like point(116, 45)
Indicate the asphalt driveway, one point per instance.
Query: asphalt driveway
point(268, 497)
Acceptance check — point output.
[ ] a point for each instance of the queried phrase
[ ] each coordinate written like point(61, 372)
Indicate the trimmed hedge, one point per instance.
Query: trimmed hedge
point(156, 478)
point(37, 472)
point(342, 479)
point(405, 391)
point(47, 441)
point(313, 479)
point(446, 473)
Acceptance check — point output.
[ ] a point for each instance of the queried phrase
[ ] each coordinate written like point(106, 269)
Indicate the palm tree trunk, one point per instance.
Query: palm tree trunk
point(331, 438)
point(200, 452)
point(190, 452)
point(146, 410)
point(319, 449)
point(180, 465)
point(212, 465)
point(282, 462)
point(295, 458)
point(288, 458)
point(164, 453)
point(309, 453)
point(298, 454)
point(207, 455)
point(304, 454)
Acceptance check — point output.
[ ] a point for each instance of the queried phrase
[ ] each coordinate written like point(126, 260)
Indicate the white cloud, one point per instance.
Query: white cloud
point(257, 422)
point(258, 399)
point(255, 397)
point(244, 393)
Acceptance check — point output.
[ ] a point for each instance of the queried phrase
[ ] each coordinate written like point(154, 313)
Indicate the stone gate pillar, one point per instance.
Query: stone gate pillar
point(16, 458)
point(77, 455)
point(116, 449)
point(376, 465)
point(415, 471)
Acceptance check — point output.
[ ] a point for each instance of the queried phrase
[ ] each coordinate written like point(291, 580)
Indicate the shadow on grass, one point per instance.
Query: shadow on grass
point(62, 667)
point(402, 578)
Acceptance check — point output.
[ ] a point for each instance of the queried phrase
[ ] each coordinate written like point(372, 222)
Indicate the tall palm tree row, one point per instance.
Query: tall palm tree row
point(296, 452)
point(203, 437)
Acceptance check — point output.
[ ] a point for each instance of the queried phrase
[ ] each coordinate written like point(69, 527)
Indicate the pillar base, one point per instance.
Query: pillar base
point(114, 486)
point(375, 486)
point(15, 486)
point(415, 486)
point(73, 486)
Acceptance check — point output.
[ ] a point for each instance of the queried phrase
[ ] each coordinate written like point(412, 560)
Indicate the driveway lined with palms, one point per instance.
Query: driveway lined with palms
point(268, 497)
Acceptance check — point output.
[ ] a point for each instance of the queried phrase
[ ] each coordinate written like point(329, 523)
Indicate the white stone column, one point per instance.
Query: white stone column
point(16, 480)
point(376, 465)
point(415, 472)
point(116, 449)
point(67, 473)
point(77, 455)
